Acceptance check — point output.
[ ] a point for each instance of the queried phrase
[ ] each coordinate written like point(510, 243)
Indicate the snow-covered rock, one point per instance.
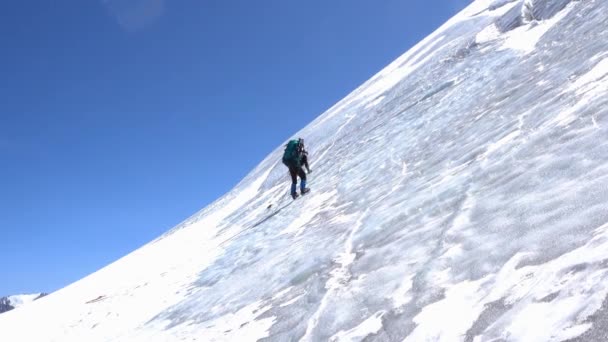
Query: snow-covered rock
point(12, 302)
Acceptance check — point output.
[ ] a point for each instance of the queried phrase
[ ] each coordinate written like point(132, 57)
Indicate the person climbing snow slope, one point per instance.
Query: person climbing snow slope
point(294, 157)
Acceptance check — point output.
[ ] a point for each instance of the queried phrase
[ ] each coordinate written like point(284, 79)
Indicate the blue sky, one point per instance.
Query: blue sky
point(120, 118)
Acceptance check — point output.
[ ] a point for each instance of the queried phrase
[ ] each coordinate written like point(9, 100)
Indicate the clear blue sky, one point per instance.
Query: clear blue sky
point(120, 118)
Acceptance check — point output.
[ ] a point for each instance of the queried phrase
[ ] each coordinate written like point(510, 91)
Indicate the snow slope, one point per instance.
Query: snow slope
point(458, 195)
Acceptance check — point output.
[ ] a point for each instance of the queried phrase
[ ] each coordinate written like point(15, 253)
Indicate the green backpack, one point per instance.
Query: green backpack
point(291, 154)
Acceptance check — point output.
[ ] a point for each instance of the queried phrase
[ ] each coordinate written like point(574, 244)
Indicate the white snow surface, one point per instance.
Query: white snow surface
point(458, 195)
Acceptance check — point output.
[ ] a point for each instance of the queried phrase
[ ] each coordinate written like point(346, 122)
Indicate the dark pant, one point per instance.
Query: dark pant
point(294, 172)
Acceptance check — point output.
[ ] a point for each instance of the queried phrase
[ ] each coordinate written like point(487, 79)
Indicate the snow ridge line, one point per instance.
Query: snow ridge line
point(455, 219)
point(339, 277)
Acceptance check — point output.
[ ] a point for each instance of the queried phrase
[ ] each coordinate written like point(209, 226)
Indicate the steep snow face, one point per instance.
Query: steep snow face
point(458, 195)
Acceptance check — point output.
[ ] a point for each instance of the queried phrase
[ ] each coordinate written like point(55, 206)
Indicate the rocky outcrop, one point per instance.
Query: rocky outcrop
point(8, 303)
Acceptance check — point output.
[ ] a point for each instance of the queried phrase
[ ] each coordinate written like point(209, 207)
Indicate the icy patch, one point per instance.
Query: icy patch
point(368, 327)
point(525, 38)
